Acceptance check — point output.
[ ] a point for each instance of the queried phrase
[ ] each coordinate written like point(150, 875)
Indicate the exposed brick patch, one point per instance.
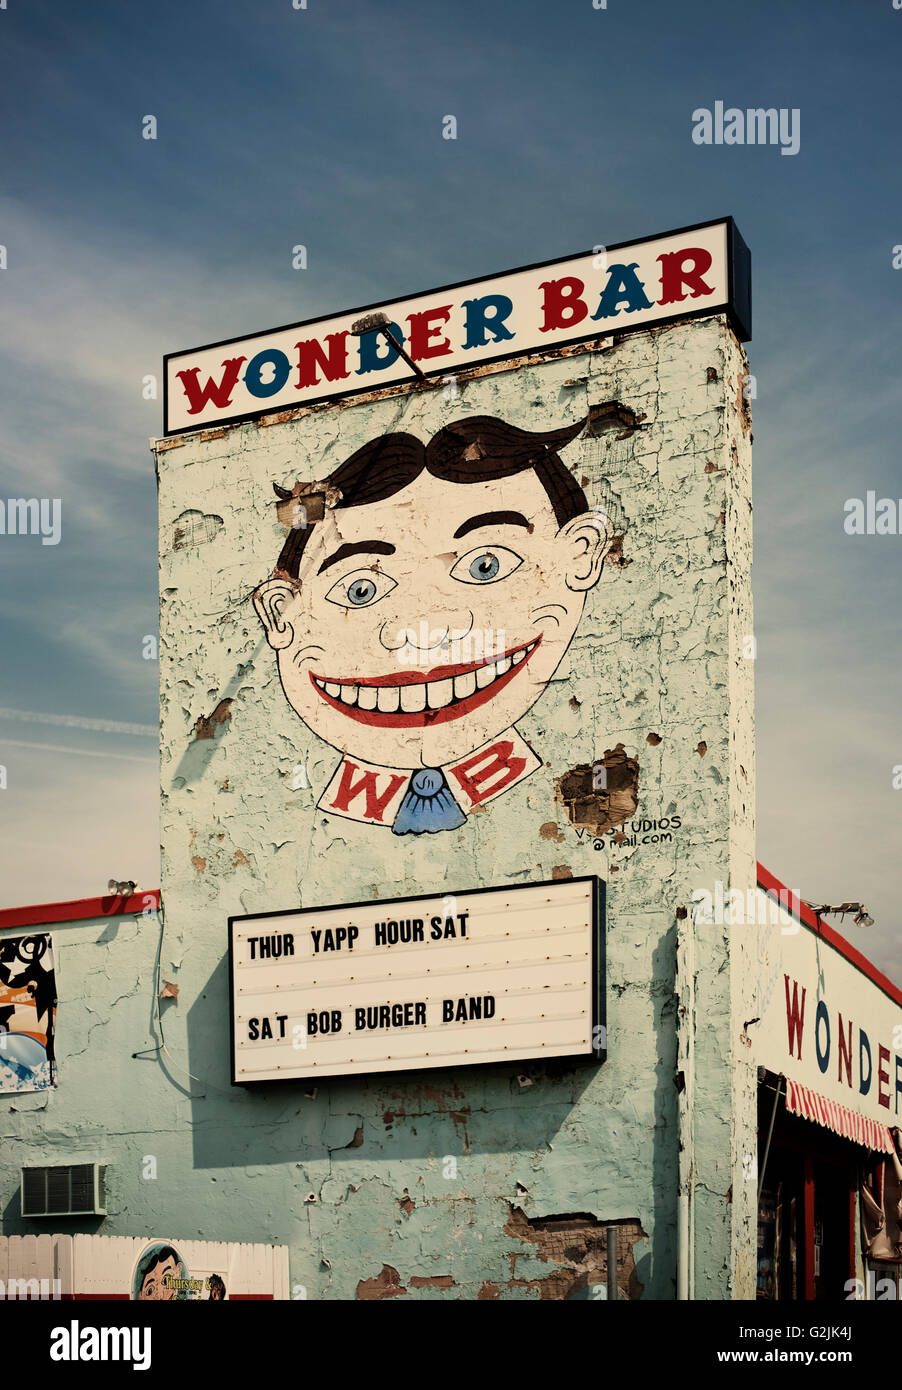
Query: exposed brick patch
point(206, 728)
point(577, 1243)
point(612, 415)
point(435, 1281)
point(387, 1284)
point(598, 808)
point(193, 528)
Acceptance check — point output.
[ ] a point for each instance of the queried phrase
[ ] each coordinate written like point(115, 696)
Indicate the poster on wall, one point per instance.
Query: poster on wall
point(162, 1275)
point(27, 1014)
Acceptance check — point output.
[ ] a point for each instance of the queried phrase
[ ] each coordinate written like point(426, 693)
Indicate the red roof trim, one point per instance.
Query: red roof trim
point(79, 910)
point(810, 919)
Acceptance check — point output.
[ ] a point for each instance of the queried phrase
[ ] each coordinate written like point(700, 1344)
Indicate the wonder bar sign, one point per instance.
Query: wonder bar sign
point(498, 974)
point(697, 270)
point(828, 1020)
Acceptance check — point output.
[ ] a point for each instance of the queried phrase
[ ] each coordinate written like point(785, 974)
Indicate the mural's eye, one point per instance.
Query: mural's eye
point(360, 589)
point(486, 566)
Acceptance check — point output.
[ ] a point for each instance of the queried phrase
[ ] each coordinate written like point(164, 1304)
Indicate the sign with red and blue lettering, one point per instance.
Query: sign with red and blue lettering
point(695, 271)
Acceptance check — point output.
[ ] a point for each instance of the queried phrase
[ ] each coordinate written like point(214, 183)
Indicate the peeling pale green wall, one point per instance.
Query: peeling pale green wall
point(659, 651)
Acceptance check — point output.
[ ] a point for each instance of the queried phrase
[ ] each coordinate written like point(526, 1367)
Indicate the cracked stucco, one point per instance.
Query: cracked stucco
point(331, 1173)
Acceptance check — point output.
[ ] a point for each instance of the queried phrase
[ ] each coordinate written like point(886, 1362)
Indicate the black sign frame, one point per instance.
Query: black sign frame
point(597, 968)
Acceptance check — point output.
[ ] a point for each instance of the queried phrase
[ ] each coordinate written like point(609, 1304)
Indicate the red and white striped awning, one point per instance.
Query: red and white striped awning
point(800, 1100)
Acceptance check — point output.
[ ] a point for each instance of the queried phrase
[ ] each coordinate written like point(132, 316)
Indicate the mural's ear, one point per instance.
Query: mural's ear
point(270, 600)
point(587, 538)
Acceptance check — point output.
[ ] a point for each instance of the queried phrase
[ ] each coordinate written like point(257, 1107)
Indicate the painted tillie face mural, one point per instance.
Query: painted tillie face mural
point(424, 598)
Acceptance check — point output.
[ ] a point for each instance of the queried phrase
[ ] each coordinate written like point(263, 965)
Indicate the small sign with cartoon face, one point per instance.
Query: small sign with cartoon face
point(424, 597)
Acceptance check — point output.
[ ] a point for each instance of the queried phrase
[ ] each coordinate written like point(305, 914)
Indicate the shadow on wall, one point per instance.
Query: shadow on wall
point(347, 1130)
point(657, 1268)
point(410, 1117)
point(210, 728)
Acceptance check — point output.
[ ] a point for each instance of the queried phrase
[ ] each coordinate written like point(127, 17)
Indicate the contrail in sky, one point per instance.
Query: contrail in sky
point(78, 721)
point(82, 752)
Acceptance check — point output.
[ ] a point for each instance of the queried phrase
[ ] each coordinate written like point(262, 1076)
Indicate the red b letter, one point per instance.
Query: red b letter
point(490, 761)
point(562, 297)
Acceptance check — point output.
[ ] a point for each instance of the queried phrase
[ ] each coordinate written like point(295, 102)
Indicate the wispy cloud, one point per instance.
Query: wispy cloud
point(78, 752)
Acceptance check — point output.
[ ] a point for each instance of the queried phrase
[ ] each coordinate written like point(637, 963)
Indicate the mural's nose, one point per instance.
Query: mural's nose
point(426, 636)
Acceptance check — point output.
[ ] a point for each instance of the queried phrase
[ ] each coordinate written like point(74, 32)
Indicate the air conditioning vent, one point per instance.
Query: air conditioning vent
point(73, 1189)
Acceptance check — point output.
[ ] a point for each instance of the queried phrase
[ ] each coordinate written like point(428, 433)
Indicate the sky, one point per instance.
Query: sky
point(322, 126)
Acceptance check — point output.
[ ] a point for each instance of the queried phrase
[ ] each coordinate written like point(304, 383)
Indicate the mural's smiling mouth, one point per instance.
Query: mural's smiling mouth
point(410, 699)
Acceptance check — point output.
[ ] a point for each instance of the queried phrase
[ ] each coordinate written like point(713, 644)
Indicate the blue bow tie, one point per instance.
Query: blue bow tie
point(428, 805)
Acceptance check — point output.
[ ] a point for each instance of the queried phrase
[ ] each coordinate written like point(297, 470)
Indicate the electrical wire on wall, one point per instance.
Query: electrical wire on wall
point(161, 1046)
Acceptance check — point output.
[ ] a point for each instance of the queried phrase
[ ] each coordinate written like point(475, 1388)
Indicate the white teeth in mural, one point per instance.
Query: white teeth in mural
point(440, 693)
point(464, 685)
point(411, 699)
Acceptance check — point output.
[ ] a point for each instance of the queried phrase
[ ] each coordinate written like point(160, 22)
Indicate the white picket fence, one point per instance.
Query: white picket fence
point(102, 1267)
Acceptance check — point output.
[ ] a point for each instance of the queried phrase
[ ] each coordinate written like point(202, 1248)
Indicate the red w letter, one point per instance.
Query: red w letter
point(794, 1019)
point(368, 784)
point(220, 394)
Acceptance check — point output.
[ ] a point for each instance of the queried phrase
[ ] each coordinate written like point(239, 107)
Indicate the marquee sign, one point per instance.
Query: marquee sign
point(683, 274)
point(497, 974)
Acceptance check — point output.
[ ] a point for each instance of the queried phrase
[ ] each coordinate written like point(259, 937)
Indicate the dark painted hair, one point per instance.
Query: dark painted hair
point(164, 1253)
point(478, 449)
